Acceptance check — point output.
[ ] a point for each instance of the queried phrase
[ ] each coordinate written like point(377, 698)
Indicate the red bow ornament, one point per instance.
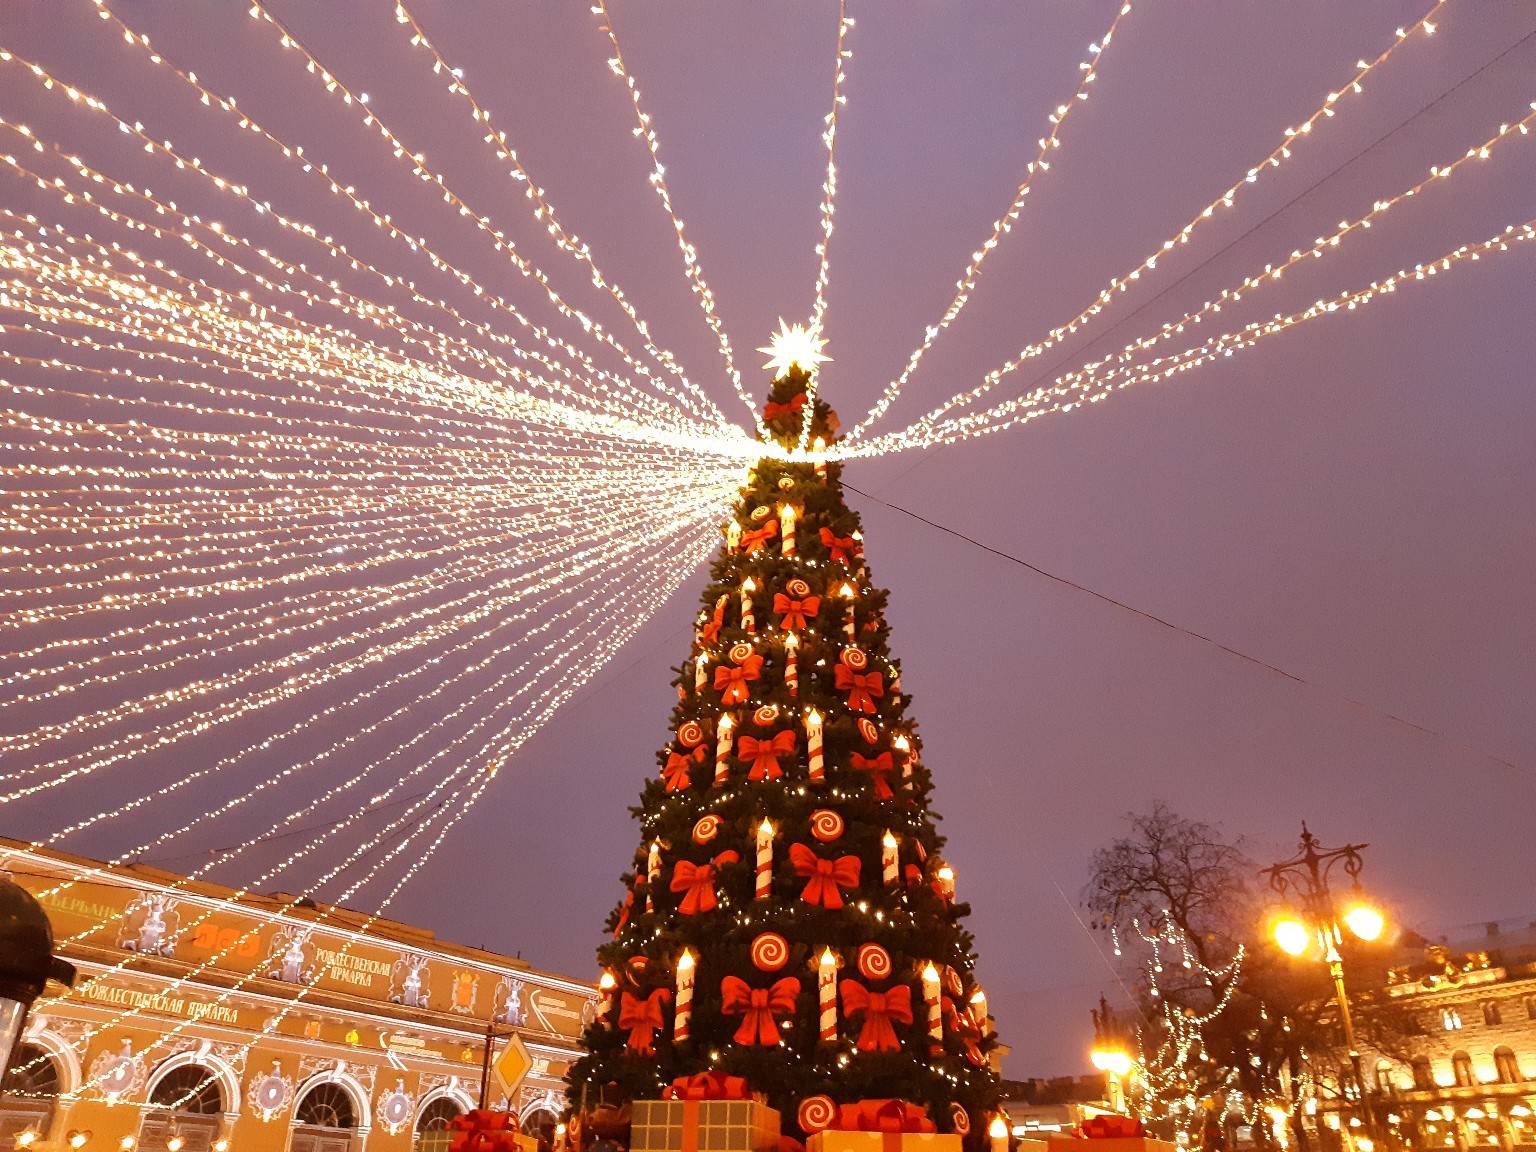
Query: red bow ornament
point(794, 612)
point(764, 754)
point(642, 1018)
point(863, 688)
point(879, 1009)
point(758, 538)
point(731, 682)
point(629, 905)
point(964, 1025)
point(843, 548)
point(675, 773)
point(825, 879)
point(698, 881)
point(880, 768)
point(710, 632)
point(794, 404)
point(759, 1007)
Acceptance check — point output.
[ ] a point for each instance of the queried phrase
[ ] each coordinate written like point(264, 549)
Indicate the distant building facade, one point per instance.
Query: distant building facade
point(208, 1021)
point(1470, 1081)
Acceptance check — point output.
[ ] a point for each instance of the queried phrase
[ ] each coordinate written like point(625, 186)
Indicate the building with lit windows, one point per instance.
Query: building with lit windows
point(204, 1020)
point(1470, 1081)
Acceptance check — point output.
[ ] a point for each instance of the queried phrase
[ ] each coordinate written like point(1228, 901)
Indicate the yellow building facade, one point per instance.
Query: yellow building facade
point(204, 1020)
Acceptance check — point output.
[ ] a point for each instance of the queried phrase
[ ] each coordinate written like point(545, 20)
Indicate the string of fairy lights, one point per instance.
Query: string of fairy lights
point(312, 534)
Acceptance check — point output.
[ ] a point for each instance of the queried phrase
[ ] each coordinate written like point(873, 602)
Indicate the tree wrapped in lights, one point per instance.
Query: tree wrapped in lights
point(790, 918)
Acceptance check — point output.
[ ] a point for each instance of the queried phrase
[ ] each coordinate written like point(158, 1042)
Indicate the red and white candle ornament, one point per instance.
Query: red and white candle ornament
point(817, 771)
point(723, 728)
point(792, 665)
point(850, 628)
point(764, 860)
point(826, 995)
point(787, 529)
point(820, 465)
point(890, 862)
point(903, 747)
point(748, 621)
point(684, 1010)
point(732, 535)
point(700, 672)
point(606, 983)
point(946, 878)
point(934, 1003)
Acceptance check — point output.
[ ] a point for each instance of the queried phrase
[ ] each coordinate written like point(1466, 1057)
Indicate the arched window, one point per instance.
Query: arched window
point(1506, 1065)
point(1450, 1018)
point(190, 1088)
point(1530, 1007)
point(326, 1106)
point(30, 1090)
point(432, 1125)
point(1461, 1067)
point(1491, 1014)
point(537, 1120)
point(1423, 1073)
point(1384, 1081)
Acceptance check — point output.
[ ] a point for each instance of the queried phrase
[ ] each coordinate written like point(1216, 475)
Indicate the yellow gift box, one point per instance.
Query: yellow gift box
point(833, 1140)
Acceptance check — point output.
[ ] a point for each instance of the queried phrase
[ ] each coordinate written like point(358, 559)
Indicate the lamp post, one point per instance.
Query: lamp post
point(1304, 879)
point(1110, 1055)
point(27, 962)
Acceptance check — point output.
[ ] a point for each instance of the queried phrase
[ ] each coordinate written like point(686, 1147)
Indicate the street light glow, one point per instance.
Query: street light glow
point(1291, 934)
point(1365, 922)
point(1111, 1060)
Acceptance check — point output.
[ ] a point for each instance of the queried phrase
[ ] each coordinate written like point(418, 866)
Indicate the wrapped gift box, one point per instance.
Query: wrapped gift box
point(1112, 1144)
point(704, 1126)
point(833, 1140)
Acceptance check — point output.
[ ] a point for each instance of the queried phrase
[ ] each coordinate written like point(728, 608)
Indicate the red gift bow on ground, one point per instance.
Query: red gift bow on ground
point(879, 1008)
point(676, 771)
point(794, 404)
point(707, 1086)
point(764, 754)
point(759, 537)
point(482, 1130)
point(826, 878)
point(759, 1007)
point(841, 547)
point(698, 880)
point(1111, 1128)
point(880, 768)
point(731, 683)
point(642, 1018)
point(795, 611)
point(883, 1116)
point(862, 688)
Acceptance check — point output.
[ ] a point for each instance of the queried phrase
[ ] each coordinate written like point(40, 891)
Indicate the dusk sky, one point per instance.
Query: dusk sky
point(1349, 502)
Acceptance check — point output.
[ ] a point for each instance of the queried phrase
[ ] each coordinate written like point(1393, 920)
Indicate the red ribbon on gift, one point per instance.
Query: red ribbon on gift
point(707, 1086)
point(883, 1116)
point(1110, 1128)
point(482, 1130)
point(879, 1009)
point(825, 879)
point(862, 688)
point(731, 682)
point(642, 1018)
point(795, 611)
point(880, 768)
point(843, 548)
point(758, 537)
point(794, 404)
point(759, 1007)
point(698, 880)
point(764, 754)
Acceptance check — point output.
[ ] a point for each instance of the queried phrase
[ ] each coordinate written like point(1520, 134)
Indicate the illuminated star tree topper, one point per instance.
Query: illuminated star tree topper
point(795, 346)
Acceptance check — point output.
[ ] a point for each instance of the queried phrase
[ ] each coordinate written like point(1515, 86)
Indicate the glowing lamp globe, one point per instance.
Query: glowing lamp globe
point(1111, 1060)
point(1365, 922)
point(1291, 934)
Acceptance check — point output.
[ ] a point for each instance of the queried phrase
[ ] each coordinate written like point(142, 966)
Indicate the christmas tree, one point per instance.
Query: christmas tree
point(790, 919)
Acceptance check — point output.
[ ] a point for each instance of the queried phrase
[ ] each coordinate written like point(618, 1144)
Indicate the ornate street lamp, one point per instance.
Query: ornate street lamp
point(1312, 918)
point(1110, 1053)
point(27, 962)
